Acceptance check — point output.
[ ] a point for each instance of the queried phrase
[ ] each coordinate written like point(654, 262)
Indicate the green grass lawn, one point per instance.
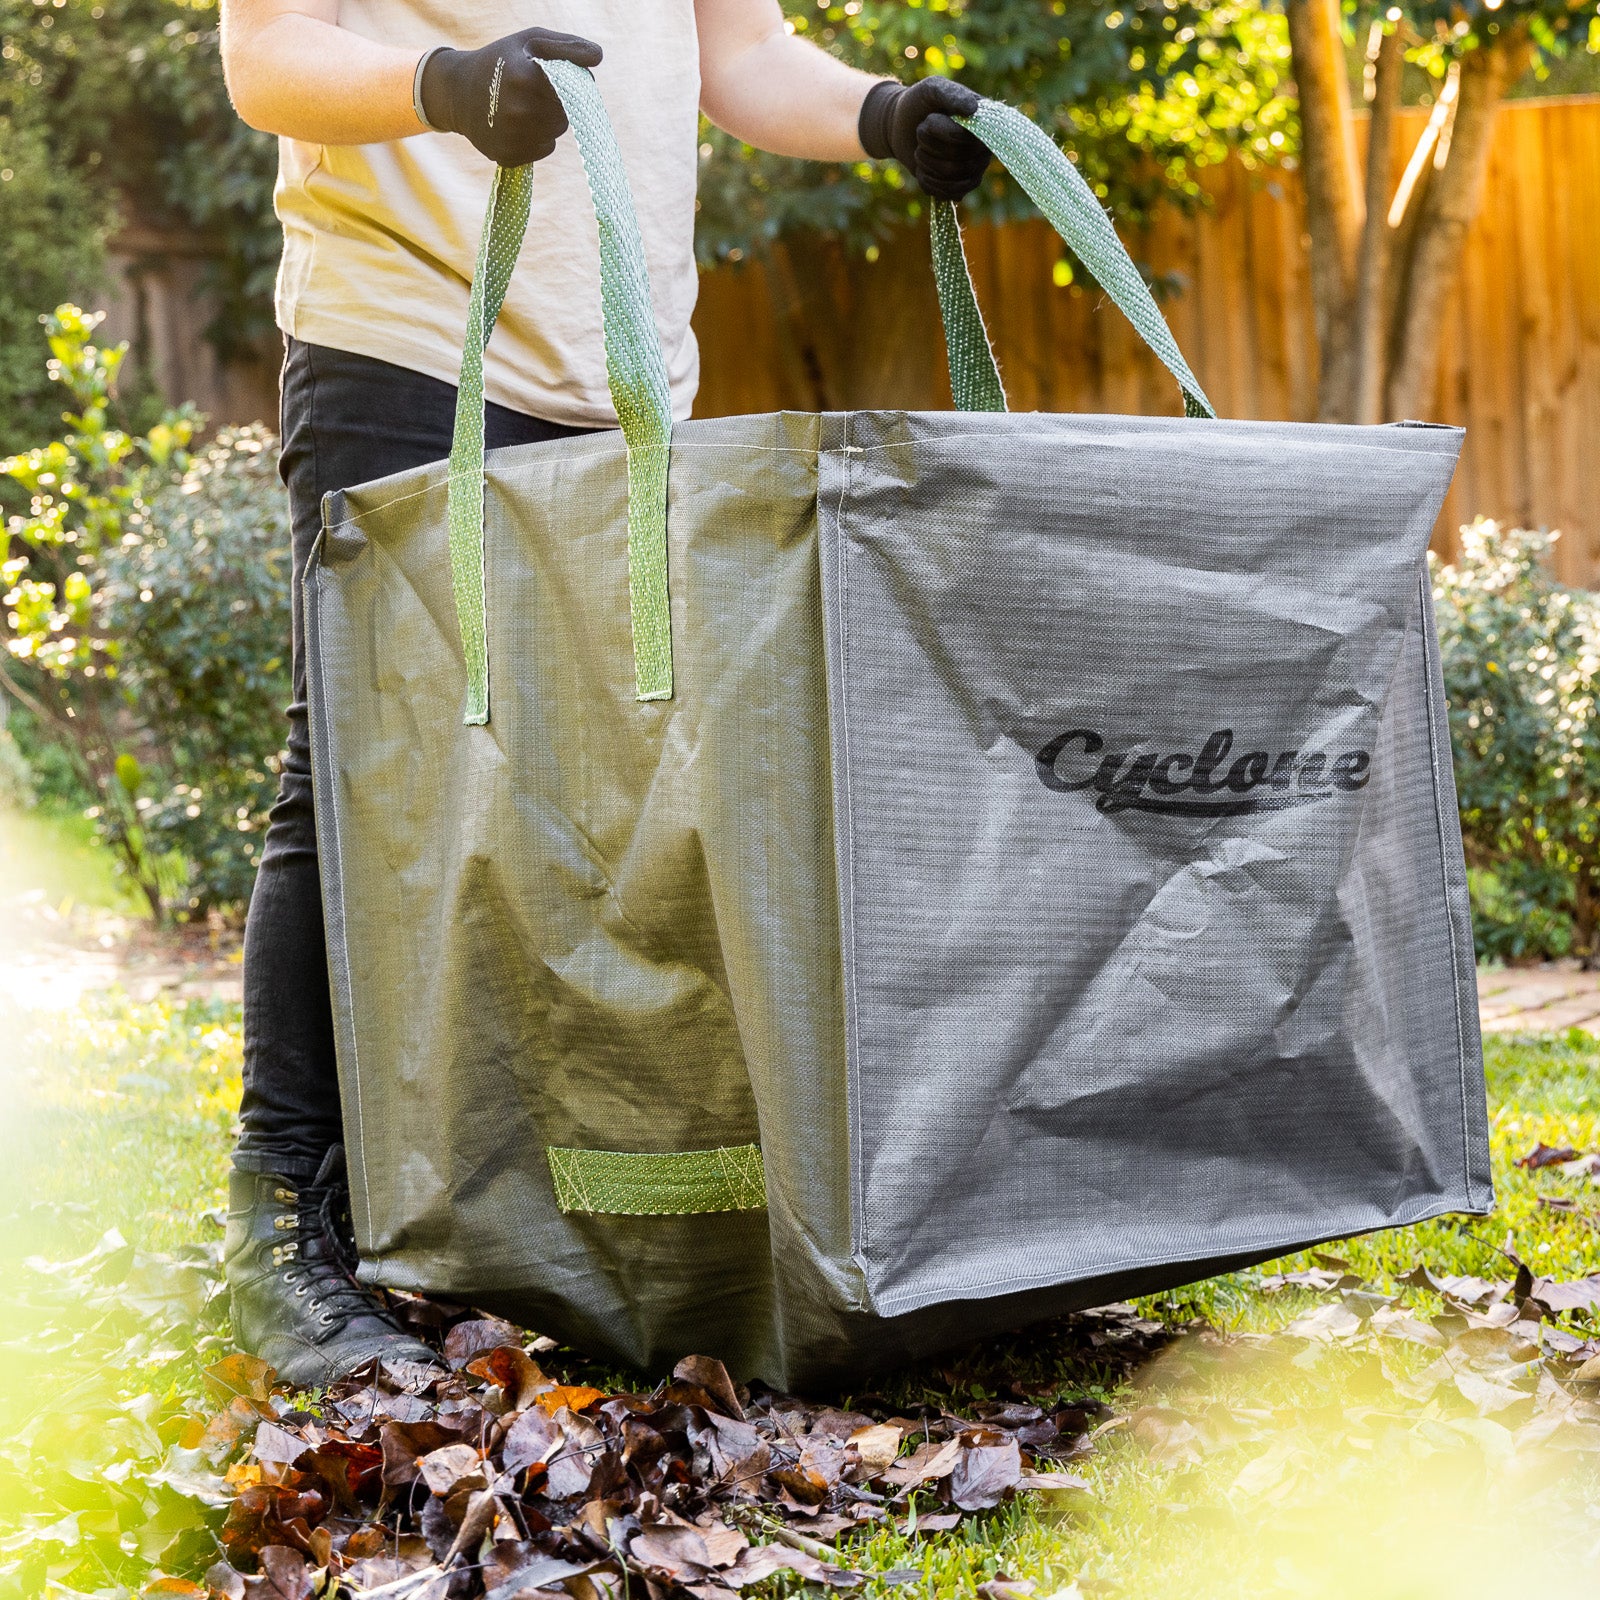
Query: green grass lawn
point(56, 851)
point(1250, 1464)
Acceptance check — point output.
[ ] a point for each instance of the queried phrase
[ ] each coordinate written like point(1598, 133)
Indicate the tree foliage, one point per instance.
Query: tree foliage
point(1140, 92)
point(146, 614)
point(1521, 657)
point(52, 223)
point(118, 108)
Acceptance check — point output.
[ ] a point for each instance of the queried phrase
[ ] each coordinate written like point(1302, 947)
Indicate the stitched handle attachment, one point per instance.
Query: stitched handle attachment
point(1069, 205)
point(635, 369)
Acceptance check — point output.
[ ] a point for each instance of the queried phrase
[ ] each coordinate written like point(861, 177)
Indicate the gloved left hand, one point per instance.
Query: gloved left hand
point(915, 124)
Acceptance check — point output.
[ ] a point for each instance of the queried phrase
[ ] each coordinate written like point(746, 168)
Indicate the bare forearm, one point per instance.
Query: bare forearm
point(297, 73)
point(770, 89)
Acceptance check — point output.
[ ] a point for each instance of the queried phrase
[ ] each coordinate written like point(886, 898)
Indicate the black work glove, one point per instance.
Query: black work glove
point(914, 124)
point(499, 98)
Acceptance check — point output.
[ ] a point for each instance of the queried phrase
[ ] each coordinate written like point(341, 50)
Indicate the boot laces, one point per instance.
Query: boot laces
point(327, 1275)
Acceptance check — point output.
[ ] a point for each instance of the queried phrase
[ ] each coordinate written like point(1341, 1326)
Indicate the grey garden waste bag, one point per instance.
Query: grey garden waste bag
point(858, 882)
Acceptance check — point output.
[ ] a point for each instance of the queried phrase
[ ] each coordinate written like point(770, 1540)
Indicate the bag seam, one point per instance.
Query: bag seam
point(1444, 879)
point(344, 943)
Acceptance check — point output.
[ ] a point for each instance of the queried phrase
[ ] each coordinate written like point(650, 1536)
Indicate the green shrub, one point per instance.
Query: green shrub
point(147, 611)
point(1521, 656)
point(52, 225)
point(17, 790)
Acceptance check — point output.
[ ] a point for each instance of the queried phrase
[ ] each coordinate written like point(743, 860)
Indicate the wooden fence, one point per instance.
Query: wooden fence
point(1519, 362)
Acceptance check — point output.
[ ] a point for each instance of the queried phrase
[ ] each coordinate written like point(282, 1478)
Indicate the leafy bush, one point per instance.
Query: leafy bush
point(148, 607)
point(17, 789)
point(120, 105)
point(51, 249)
point(1521, 656)
point(1140, 92)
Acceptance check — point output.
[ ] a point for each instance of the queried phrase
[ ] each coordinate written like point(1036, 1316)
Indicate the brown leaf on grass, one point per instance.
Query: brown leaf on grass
point(404, 1444)
point(801, 1483)
point(284, 1576)
point(469, 1339)
point(275, 1446)
point(238, 1374)
point(1048, 1482)
point(1463, 1289)
point(1491, 1396)
point(672, 1554)
point(1393, 1323)
point(760, 1561)
point(927, 1462)
point(924, 1523)
point(1170, 1438)
point(876, 1447)
point(985, 1474)
point(712, 1376)
point(224, 1582)
point(237, 1420)
point(513, 1371)
point(724, 1545)
point(1487, 1349)
point(575, 1397)
point(1327, 1324)
point(452, 1467)
point(1317, 1279)
point(1547, 1155)
point(1000, 1587)
point(266, 1514)
point(530, 1441)
point(1554, 1298)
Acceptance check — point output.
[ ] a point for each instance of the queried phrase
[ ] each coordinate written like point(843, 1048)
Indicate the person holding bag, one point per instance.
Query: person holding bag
point(393, 116)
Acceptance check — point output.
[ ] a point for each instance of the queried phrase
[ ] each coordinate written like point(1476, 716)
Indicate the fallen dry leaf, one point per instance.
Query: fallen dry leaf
point(1546, 1155)
point(985, 1474)
point(573, 1397)
point(877, 1445)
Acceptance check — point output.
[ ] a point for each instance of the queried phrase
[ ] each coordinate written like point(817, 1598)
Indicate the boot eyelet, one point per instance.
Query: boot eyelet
point(300, 1291)
point(288, 1196)
point(284, 1222)
point(325, 1319)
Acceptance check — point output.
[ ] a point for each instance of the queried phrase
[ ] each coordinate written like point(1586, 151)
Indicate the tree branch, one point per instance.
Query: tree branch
point(1385, 55)
point(1333, 196)
point(1448, 208)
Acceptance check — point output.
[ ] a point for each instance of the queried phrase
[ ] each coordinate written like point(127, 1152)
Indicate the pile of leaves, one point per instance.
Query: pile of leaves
point(1494, 1365)
point(494, 1478)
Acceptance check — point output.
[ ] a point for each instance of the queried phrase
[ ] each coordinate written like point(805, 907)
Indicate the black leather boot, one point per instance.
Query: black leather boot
point(289, 1257)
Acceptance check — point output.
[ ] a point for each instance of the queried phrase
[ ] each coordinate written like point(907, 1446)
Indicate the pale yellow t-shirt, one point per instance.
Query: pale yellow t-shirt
point(380, 240)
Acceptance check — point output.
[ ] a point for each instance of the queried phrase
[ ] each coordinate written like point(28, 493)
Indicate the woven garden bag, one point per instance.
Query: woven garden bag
point(810, 889)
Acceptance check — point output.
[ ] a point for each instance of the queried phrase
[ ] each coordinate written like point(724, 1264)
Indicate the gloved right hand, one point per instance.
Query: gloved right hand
point(499, 97)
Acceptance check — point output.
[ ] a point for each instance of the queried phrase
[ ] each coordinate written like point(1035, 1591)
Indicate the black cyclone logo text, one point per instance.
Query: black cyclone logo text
point(1198, 785)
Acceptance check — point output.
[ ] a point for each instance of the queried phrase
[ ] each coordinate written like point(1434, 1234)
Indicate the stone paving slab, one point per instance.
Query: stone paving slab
point(1538, 999)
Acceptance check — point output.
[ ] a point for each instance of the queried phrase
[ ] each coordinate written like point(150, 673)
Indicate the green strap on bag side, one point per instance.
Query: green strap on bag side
point(639, 391)
point(637, 371)
point(1069, 205)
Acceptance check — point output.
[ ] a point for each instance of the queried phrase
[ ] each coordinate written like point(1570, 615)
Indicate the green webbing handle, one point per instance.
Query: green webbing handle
point(635, 369)
point(1069, 205)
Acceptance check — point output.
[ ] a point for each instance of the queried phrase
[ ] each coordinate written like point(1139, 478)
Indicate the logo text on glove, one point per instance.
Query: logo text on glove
point(1199, 785)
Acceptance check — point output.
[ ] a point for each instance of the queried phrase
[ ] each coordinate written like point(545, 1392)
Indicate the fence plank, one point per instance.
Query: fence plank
point(1519, 358)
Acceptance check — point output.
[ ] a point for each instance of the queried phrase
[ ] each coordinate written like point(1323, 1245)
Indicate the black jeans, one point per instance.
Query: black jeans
point(346, 420)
